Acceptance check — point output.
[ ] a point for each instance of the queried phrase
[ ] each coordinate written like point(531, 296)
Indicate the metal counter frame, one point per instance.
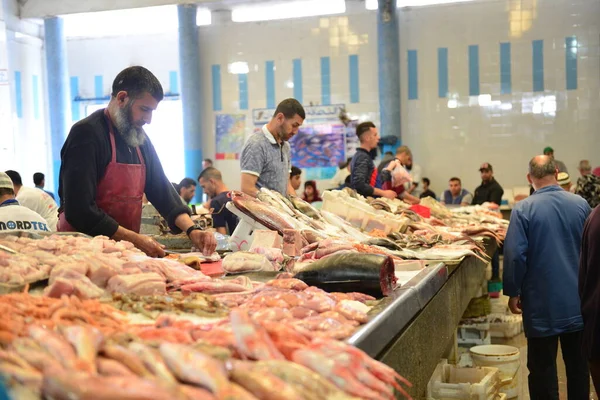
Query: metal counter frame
point(413, 328)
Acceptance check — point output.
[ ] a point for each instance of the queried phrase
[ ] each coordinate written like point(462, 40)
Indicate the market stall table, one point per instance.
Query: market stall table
point(413, 328)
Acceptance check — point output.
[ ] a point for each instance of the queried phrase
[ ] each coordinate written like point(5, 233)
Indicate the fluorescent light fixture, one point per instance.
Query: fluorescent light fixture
point(238, 67)
point(134, 21)
point(485, 100)
point(372, 4)
point(545, 105)
point(549, 106)
point(203, 17)
point(269, 11)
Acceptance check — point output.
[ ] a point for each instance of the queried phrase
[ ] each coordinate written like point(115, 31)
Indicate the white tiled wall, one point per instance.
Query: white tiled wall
point(445, 141)
point(28, 135)
point(456, 141)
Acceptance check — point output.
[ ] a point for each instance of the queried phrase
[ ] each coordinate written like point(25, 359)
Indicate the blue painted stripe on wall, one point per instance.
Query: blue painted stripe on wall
point(413, 78)
point(297, 77)
point(571, 62)
point(270, 83)
point(173, 82)
point(243, 89)
point(538, 65)
point(325, 81)
point(98, 88)
point(473, 70)
point(75, 106)
point(354, 78)
point(193, 161)
point(505, 73)
point(56, 175)
point(19, 94)
point(216, 87)
point(36, 96)
point(443, 72)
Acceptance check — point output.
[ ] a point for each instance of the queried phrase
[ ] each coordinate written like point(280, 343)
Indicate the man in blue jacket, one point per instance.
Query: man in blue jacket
point(541, 263)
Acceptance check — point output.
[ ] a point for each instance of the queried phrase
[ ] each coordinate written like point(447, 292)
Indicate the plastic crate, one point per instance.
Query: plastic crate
point(469, 338)
point(452, 382)
point(473, 331)
point(505, 326)
point(499, 305)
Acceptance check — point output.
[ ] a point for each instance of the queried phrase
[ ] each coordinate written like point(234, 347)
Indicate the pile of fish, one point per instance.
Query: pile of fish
point(263, 360)
point(19, 310)
point(91, 268)
point(350, 223)
point(198, 304)
point(293, 303)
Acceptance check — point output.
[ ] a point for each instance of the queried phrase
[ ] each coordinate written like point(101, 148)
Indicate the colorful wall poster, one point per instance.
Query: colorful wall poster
point(230, 136)
point(318, 146)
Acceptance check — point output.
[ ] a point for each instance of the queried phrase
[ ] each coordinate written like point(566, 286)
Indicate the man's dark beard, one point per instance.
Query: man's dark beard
point(132, 135)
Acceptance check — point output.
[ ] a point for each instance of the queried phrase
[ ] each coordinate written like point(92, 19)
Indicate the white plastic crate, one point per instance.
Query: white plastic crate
point(451, 382)
point(470, 339)
point(474, 331)
point(499, 305)
point(505, 326)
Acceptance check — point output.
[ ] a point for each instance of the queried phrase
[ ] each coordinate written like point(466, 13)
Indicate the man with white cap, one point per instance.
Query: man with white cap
point(13, 216)
point(564, 181)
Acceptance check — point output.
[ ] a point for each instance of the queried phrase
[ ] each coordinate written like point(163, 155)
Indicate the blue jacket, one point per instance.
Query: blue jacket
point(541, 260)
point(448, 197)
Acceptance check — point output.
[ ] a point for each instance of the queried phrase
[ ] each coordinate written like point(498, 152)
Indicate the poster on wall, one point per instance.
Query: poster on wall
point(230, 135)
point(319, 148)
point(320, 144)
point(352, 142)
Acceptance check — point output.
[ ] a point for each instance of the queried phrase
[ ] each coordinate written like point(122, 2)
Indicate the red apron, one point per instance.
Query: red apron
point(119, 192)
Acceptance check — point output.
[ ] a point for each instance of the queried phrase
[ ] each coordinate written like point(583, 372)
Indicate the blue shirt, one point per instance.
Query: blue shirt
point(541, 260)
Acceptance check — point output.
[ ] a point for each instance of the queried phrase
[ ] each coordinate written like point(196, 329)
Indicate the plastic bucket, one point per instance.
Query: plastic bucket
point(507, 359)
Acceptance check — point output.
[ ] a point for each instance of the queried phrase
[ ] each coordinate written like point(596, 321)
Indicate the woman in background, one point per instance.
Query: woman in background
point(311, 194)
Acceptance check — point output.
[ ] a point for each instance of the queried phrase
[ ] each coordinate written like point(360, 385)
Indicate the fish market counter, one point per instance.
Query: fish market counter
point(414, 328)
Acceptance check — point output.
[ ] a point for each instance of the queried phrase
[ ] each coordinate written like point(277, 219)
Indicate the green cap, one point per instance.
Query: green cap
point(548, 150)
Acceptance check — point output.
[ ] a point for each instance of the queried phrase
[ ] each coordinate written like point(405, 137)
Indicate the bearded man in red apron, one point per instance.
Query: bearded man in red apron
point(108, 163)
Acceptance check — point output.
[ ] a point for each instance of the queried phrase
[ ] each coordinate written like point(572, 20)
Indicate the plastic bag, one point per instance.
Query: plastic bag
point(400, 176)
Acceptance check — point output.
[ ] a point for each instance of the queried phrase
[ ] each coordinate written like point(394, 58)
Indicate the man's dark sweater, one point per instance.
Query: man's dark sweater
point(363, 175)
point(488, 191)
point(85, 156)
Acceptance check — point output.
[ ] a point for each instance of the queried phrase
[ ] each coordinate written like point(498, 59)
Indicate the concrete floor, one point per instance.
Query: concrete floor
point(521, 343)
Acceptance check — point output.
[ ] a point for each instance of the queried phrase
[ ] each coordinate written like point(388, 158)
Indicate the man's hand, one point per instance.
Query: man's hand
point(204, 241)
point(409, 198)
point(514, 303)
point(390, 194)
point(148, 246)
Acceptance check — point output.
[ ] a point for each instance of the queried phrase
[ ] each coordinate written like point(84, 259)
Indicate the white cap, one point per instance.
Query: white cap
point(5, 181)
point(563, 178)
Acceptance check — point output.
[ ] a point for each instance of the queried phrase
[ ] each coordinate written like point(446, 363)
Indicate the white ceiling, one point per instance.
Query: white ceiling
point(46, 8)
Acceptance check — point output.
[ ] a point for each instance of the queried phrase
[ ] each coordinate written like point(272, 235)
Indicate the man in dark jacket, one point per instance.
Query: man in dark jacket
point(490, 190)
point(541, 254)
point(589, 292)
point(363, 174)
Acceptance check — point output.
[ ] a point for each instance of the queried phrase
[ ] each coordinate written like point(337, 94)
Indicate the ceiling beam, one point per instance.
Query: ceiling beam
point(49, 8)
